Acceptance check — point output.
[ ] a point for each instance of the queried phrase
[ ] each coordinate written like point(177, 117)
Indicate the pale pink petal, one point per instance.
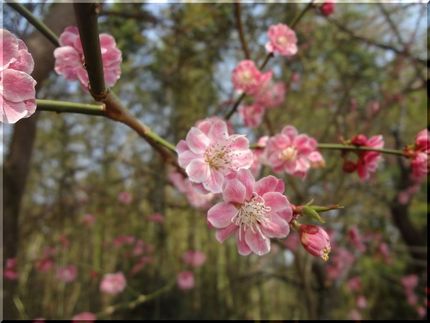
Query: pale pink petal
point(248, 180)
point(242, 246)
point(223, 234)
point(198, 170)
point(218, 130)
point(234, 191)
point(269, 184)
point(276, 227)
point(276, 201)
point(197, 141)
point(18, 86)
point(257, 242)
point(221, 214)
point(9, 48)
point(215, 182)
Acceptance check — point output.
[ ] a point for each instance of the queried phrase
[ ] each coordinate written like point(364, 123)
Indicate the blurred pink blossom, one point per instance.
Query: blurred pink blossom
point(88, 220)
point(194, 258)
point(67, 274)
point(247, 78)
point(185, 280)
point(252, 115)
point(17, 87)
point(327, 8)
point(356, 239)
point(354, 284)
point(282, 40)
point(361, 302)
point(156, 218)
point(125, 198)
point(69, 58)
point(113, 284)
point(10, 271)
point(84, 317)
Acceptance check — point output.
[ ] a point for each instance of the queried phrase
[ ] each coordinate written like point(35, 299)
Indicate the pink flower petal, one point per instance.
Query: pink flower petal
point(276, 227)
point(223, 234)
point(197, 141)
point(215, 182)
point(198, 170)
point(269, 184)
point(218, 130)
point(220, 215)
point(276, 201)
point(257, 242)
point(234, 191)
point(18, 86)
point(242, 246)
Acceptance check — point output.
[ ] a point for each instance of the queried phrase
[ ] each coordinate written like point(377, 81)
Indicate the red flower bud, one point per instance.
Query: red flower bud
point(349, 166)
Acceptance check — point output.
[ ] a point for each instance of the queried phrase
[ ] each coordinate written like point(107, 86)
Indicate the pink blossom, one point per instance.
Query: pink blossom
point(123, 240)
point(327, 8)
point(341, 261)
point(384, 251)
point(410, 282)
point(422, 140)
point(84, 317)
point(253, 211)
point(205, 124)
point(354, 315)
point(259, 155)
point(252, 115)
point(185, 280)
point(421, 310)
point(196, 195)
point(125, 198)
point(88, 220)
point(17, 87)
point(247, 78)
point(356, 239)
point(368, 161)
point(194, 258)
point(113, 284)
point(10, 271)
point(361, 302)
point(292, 152)
point(315, 240)
point(420, 166)
point(67, 274)
point(209, 154)
point(141, 264)
point(156, 218)
point(270, 95)
point(69, 58)
point(282, 40)
point(354, 284)
point(44, 265)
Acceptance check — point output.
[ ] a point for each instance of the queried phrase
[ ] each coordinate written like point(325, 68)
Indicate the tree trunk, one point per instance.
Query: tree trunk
point(17, 162)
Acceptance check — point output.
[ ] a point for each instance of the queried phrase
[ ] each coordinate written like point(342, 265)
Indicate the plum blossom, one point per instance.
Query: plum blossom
point(252, 211)
point(10, 271)
point(69, 57)
point(252, 115)
point(196, 195)
point(270, 94)
point(354, 284)
point(368, 161)
point(282, 40)
point(17, 87)
point(315, 240)
point(209, 154)
point(293, 153)
point(419, 155)
point(356, 239)
point(84, 317)
point(156, 218)
point(113, 284)
point(88, 220)
point(67, 274)
point(185, 280)
point(247, 78)
point(194, 258)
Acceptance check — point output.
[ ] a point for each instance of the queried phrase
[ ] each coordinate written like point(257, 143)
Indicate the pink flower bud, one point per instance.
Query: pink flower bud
point(349, 166)
point(315, 240)
point(327, 8)
point(359, 140)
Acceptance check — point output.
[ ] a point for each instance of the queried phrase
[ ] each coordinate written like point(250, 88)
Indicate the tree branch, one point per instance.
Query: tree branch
point(240, 30)
point(74, 107)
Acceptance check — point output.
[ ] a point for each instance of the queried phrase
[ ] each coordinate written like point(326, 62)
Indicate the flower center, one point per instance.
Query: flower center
point(289, 153)
point(251, 214)
point(282, 40)
point(246, 77)
point(218, 156)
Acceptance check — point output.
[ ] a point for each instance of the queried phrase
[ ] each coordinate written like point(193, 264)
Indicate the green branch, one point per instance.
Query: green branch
point(293, 24)
point(73, 107)
point(37, 23)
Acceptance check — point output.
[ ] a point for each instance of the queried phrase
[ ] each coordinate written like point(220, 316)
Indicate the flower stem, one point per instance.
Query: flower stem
point(37, 23)
point(74, 107)
point(357, 148)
